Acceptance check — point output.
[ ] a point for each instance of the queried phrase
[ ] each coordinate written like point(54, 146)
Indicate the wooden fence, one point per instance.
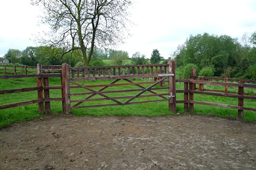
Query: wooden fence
point(117, 73)
point(42, 88)
point(17, 70)
point(70, 78)
point(224, 82)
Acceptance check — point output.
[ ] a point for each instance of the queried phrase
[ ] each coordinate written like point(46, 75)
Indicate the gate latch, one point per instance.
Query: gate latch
point(164, 75)
point(171, 96)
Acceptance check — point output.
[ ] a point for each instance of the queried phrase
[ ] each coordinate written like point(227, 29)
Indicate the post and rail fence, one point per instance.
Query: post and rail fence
point(17, 70)
point(71, 78)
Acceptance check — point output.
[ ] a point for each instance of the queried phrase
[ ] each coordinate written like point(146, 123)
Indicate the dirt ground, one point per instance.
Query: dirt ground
point(133, 143)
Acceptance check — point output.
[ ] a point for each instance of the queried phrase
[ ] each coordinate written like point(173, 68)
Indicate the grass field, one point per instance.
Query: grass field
point(29, 112)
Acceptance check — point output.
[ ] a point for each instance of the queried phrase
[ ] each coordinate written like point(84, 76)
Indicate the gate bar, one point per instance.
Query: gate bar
point(144, 91)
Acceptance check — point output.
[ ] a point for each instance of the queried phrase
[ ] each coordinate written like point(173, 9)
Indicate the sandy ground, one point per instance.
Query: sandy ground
point(67, 142)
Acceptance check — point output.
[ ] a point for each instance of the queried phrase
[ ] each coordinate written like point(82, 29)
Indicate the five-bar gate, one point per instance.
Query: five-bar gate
point(137, 81)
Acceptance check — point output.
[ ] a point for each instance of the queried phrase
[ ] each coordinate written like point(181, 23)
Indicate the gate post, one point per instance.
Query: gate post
point(172, 87)
point(192, 87)
point(65, 88)
point(39, 82)
point(241, 100)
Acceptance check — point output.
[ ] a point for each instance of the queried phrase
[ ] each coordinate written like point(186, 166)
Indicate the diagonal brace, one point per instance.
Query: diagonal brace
point(144, 90)
point(105, 87)
point(96, 92)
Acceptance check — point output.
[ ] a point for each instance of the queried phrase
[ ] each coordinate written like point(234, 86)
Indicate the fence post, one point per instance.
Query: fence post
point(185, 95)
point(15, 70)
point(192, 88)
point(241, 100)
point(172, 87)
point(226, 87)
point(201, 86)
point(5, 70)
point(65, 88)
point(40, 92)
point(26, 72)
point(47, 95)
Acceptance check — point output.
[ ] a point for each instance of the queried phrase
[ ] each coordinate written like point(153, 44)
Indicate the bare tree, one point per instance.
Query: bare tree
point(84, 24)
point(246, 46)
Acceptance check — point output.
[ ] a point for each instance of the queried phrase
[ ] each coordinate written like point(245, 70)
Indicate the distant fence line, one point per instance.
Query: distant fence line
point(17, 70)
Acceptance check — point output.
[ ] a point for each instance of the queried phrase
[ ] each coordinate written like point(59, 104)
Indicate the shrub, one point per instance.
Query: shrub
point(206, 71)
point(188, 67)
point(251, 72)
point(79, 64)
point(96, 62)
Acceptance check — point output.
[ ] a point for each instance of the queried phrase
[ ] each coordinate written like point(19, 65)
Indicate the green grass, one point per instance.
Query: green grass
point(28, 112)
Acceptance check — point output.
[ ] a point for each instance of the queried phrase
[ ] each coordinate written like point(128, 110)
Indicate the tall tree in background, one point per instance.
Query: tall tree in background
point(117, 56)
point(138, 59)
point(155, 57)
point(84, 24)
point(13, 55)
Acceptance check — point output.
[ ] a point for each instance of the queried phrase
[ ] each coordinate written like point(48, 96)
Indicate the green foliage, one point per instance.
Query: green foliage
point(13, 55)
point(188, 67)
point(79, 64)
point(155, 57)
point(253, 38)
point(117, 53)
point(228, 72)
point(138, 59)
point(251, 72)
point(165, 61)
point(96, 62)
point(117, 57)
point(100, 53)
point(209, 50)
point(207, 72)
point(117, 61)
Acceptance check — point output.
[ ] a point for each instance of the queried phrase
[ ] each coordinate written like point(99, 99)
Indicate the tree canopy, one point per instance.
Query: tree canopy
point(83, 24)
point(155, 57)
point(223, 55)
point(138, 59)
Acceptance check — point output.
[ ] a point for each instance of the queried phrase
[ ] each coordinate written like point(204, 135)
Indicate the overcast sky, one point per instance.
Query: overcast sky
point(161, 24)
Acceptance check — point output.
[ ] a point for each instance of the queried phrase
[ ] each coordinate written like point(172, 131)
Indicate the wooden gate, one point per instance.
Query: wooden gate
point(133, 75)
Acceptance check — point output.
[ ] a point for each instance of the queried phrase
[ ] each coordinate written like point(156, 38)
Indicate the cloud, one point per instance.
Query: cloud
point(164, 25)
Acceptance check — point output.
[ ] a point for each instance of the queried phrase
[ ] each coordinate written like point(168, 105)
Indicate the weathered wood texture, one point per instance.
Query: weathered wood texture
point(122, 73)
point(42, 90)
point(240, 94)
point(192, 87)
point(172, 87)
point(117, 72)
point(65, 88)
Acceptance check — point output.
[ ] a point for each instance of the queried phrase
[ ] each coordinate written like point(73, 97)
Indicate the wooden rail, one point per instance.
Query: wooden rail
point(16, 70)
point(224, 82)
point(115, 72)
point(194, 85)
point(42, 88)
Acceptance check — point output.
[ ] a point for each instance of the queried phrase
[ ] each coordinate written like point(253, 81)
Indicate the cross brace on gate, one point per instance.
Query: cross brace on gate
point(171, 94)
point(100, 92)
